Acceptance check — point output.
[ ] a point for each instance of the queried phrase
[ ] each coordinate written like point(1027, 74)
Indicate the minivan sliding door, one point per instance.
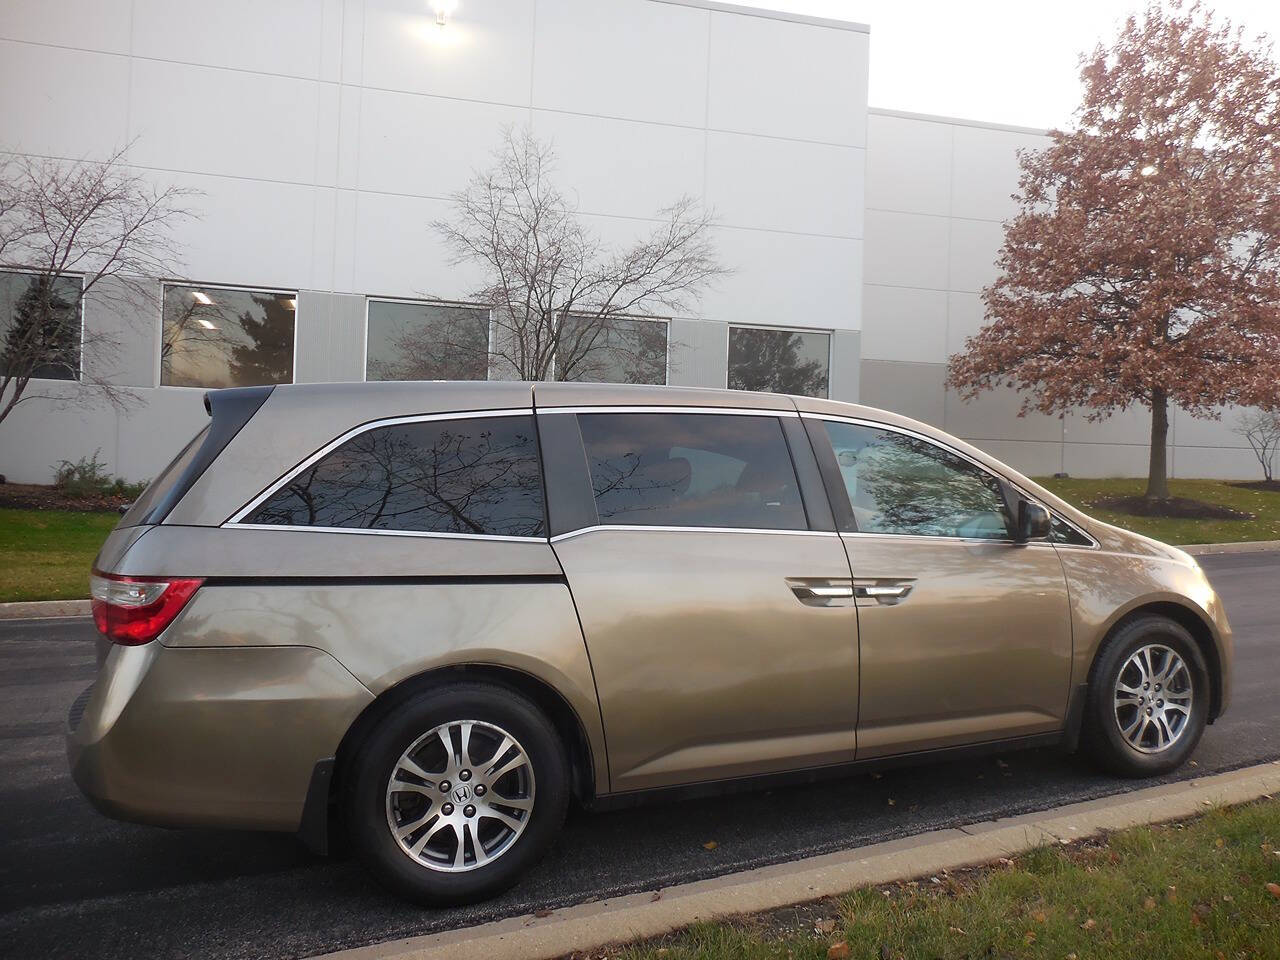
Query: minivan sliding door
point(720, 627)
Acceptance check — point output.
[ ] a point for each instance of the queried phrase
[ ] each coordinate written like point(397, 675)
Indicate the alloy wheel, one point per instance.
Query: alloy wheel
point(1153, 698)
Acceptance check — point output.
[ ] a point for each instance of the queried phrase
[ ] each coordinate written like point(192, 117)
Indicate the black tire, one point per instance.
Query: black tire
point(366, 803)
point(1103, 738)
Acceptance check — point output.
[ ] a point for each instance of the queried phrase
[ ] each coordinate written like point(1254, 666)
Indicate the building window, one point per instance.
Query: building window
point(691, 470)
point(469, 476)
point(426, 341)
point(39, 326)
point(616, 350)
point(779, 361)
point(221, 337)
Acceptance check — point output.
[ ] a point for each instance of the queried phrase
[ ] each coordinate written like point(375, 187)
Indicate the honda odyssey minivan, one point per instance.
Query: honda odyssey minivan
point(431, 614)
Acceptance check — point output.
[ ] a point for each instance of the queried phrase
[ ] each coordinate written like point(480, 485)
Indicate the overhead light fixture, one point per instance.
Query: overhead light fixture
point(1150, 170)
point(206, 324)
point(200, 297)
point(443, 10)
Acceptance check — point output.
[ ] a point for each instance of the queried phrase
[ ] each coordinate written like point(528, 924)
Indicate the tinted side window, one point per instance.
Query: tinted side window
point(1062, 532)
point(692, 470)
point(905, 485)
point(477, 476)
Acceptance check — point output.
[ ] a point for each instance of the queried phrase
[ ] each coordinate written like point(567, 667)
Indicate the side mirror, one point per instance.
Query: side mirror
point(1034, 522)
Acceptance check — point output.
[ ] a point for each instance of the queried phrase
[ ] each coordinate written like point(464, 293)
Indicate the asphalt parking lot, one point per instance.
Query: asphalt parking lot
point(74, 884)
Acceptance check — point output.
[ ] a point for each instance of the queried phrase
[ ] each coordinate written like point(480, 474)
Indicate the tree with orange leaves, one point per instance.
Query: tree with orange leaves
point(1143, 264)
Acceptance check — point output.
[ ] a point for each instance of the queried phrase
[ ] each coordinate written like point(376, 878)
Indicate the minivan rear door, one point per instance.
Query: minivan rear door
point(713, 591)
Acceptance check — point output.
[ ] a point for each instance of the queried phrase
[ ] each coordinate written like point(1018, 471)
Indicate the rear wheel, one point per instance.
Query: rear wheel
point(1148, 698)
point(457, 793)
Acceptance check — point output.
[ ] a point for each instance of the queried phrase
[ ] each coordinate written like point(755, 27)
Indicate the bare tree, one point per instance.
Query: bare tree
point(1261, 428)
point(68, 226)
point(558, 300)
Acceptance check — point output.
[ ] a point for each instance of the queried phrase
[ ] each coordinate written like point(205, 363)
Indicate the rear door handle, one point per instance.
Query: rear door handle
point(820, 593)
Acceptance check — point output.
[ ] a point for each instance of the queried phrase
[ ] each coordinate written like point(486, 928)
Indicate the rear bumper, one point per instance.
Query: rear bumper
point(223, 737)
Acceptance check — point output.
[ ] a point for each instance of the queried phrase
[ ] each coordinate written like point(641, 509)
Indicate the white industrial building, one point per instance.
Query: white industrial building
point(324, 136)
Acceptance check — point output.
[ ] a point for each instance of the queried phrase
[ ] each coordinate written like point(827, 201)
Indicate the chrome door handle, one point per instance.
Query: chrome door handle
point(832, 591)
point(884, 593)
point(820, 592)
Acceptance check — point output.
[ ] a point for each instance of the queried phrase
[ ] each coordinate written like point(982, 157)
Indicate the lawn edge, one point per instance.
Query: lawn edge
point(590, 926)
point(44, 609)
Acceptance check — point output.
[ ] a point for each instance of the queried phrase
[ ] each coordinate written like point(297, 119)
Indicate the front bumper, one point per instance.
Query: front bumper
point(210, 736)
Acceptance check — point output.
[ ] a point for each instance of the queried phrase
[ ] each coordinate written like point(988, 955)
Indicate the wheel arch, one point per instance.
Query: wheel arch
point(1193, 622)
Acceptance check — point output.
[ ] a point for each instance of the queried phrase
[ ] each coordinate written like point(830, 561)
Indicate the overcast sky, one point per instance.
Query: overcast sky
point(1004, 61)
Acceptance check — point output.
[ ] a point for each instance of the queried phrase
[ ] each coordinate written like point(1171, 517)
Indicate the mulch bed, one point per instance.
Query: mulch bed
point(32, 496)
point(1272, 485)
point(1182, 508)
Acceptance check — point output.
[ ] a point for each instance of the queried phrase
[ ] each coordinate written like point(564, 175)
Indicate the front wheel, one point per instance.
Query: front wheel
point(457, 793)
point(1148, 699)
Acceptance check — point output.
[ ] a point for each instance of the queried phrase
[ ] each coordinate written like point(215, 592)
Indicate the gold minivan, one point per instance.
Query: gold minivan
point(431, 614)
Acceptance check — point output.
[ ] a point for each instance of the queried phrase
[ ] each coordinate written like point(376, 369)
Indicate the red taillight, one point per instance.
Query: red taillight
point(135, 610)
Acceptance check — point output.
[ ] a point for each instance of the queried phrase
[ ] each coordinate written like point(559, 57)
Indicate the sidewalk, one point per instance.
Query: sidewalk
point(590, 926)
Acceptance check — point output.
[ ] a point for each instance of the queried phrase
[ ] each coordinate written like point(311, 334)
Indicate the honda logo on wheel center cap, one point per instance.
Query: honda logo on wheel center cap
point(462, 794)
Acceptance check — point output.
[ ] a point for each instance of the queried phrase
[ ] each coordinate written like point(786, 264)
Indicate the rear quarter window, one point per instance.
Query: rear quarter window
point(477, 476)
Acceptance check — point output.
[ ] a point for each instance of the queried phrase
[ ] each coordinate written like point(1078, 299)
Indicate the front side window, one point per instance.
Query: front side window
point(470, 476)
point(612, 350)
point(691, 470)
point(427, 341)
point(216, 337)
point(778, 361)
point(39, 326)
point(901, 484)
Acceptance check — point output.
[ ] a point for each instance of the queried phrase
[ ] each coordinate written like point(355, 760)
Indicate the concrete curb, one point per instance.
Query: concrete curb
point(44, 609)
point(593, 925)
point(1249, 546)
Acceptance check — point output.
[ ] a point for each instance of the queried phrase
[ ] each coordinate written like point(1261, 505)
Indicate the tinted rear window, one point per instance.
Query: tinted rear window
point(161, 485)
point(691, 470)
point(473, 476)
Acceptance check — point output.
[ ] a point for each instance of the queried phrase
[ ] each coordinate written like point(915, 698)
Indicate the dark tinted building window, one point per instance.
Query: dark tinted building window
point(476, 476)
point(427, 341)
point(616, 350)
point(691, 470)
point(39, 326)
point(218, 337)
point(778, 361)
point(906, 485)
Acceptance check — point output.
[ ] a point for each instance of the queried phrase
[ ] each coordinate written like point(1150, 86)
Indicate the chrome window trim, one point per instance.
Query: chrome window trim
point(236, 518)
point(674, 408)
point(906, 431)
point(295, 528)
point(656, 528)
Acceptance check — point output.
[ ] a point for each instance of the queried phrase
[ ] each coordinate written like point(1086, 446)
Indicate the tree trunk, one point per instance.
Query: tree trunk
point(1158, 471)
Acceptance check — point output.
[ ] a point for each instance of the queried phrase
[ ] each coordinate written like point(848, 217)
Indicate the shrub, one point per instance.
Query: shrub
point(88, 477)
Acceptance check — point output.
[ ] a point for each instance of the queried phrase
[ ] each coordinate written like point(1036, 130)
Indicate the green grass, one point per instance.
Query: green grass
point(46, 554)
point(1263, 504)
point(1177, 891)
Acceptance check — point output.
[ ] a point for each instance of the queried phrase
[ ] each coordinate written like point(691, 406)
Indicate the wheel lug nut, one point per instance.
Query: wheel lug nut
point(480, 790)
point(447, 809)
point(1148, 711)
point(468, 811)
point(464, 776)
point(444, 786)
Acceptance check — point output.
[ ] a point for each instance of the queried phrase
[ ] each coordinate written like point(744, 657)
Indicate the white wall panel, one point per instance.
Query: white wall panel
point(908, 165)
point(986, 170)
point(1198, 431)
point(427, 146)
point(88, 24)
point(621, 167)
point(994, 414)
point(974, 247)
point(966, 315)
point(397, 253)
point(64, 103)
point(250, 232)
point(224, 121)
point(624, 58)
point(1031, 458)
point(903, 323)
point(772, 184)
point(1215, 463)
point(1105, 460)
point(788, 279)
point(1125, 426)
point(906, 249)
point(484, 52)
point(785, 79)
point(279, 36)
